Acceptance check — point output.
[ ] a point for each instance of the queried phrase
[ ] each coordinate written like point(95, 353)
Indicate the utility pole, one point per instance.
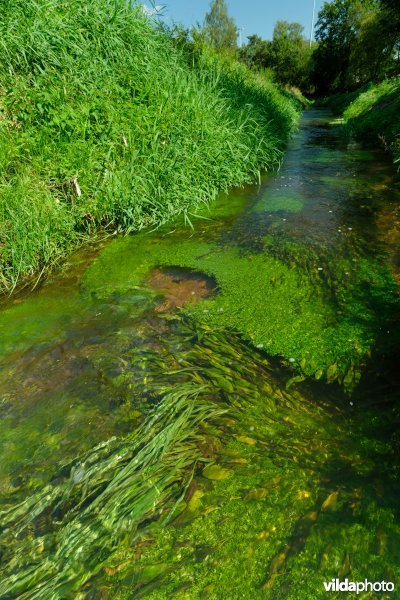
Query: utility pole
point(312, 25)
point(240, 29)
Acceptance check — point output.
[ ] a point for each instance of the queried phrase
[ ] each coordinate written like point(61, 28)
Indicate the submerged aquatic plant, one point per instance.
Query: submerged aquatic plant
point(60, 536)
point(282, 473)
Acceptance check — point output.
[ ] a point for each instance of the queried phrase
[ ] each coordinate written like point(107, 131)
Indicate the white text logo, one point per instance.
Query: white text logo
point(358, 586)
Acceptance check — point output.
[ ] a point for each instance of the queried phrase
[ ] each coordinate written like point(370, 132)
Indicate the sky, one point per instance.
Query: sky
point(254, 16)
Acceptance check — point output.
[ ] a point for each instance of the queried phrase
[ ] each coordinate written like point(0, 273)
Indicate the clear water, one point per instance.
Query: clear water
point(297, 482)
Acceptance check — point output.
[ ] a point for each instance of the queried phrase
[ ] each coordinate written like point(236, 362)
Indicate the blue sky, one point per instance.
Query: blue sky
point(254, 16)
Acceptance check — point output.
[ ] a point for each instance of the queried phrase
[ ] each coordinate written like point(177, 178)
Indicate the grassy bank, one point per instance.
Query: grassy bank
point(103, 124)
point(372, 114)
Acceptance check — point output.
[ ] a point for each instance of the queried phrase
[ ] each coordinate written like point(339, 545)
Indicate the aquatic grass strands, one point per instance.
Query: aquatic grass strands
point(109, 492)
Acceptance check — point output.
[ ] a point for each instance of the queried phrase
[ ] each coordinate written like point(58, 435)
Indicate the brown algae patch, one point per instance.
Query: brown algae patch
point(180, 286)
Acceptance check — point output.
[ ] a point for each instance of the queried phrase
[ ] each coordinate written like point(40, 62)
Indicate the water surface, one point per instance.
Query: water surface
point(268, 333)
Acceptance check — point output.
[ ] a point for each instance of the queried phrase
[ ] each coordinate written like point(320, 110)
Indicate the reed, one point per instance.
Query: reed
point(105, 125)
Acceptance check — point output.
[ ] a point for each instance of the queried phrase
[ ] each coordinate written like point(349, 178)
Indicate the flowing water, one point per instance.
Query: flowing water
point(213, 412)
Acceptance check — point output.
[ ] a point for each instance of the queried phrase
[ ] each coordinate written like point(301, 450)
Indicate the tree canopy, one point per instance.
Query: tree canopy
point(257, 52)
point(287, 55)
point(356, 43)
point(290, 53)
point(219, 27)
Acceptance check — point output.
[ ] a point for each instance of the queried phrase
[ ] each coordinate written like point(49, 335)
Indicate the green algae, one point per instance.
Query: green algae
point(228, 205)
point(40, 320)
point(338, 181)
point(291, 312)
point(54, 310)
point(325, 157)
point(273, 204)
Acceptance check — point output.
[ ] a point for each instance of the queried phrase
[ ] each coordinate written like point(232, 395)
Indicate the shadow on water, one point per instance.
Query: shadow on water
point(285, 481)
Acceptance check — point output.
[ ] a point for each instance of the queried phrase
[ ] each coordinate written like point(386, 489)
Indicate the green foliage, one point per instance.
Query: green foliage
point(374, 116)
point(334, 35)
point(219, 27)
point(356, 44)
point(287, 56)
point(290, 54)
point(371, 114)
point(339, 102)
point(256, 53)
point(103, 124)
point(391, 22)
point(371, 55)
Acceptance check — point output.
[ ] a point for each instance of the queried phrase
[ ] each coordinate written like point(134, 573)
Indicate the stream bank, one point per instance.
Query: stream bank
point(116, 129)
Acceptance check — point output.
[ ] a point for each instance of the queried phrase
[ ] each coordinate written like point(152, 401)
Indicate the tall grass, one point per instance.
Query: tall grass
point(372, 114)
point(104, 124)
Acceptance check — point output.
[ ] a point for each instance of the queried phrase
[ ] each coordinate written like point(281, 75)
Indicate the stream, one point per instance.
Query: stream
point(211, 409)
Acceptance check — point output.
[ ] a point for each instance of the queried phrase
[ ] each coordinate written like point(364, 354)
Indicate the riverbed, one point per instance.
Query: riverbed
point(211, 409)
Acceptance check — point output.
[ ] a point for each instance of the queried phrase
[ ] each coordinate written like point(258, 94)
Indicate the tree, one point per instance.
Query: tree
point(335, 35)
point(393, 7)
point(372, 49)
point(219, 27)
point(290, 54)
point(357, 41)
point(256, 53)
point(390, 22)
